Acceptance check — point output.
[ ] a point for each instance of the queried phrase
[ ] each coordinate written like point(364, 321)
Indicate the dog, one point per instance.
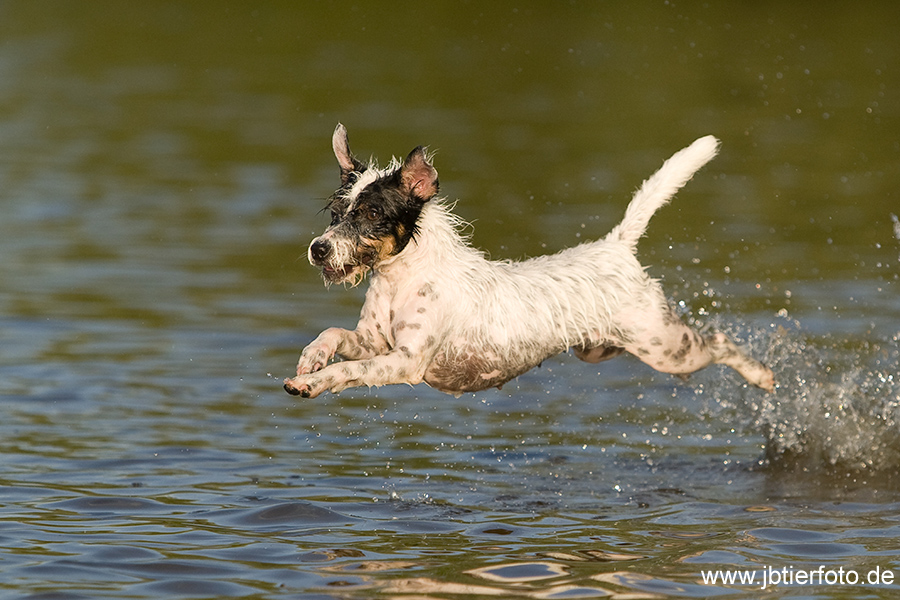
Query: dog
point(437, 311)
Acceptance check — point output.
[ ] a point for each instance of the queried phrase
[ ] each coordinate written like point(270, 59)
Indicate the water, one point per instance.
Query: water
point(162, 168)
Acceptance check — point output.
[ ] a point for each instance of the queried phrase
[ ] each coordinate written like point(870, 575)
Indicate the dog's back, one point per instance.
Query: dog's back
point(574, 296)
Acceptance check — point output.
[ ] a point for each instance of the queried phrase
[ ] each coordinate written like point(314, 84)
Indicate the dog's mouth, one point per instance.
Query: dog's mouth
point(339, 265)
point(337, 273)
point(342, 274)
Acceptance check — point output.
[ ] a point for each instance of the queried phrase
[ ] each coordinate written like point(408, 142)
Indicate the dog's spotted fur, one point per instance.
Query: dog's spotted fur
point(438, 312)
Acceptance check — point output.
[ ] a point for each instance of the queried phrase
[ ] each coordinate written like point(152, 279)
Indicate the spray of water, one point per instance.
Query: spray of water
point(837, 406)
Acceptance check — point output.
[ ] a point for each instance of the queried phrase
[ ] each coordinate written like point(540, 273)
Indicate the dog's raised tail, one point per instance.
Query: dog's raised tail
point(656, 191)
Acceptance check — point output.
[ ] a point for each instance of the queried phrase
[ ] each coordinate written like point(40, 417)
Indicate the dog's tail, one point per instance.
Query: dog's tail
point(659, 189)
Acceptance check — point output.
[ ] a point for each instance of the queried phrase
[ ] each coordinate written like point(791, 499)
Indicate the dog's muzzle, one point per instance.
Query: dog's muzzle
point(325, 255)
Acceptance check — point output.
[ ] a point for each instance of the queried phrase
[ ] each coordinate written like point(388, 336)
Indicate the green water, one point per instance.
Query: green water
point(162, 170)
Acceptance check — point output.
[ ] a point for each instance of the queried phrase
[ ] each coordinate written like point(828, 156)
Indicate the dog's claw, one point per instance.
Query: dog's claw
point(303, 390)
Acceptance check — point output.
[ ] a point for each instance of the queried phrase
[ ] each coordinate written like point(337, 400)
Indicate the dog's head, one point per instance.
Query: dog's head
point(373, 213)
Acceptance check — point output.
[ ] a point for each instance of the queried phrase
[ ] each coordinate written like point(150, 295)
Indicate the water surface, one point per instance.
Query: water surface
point(163, 167)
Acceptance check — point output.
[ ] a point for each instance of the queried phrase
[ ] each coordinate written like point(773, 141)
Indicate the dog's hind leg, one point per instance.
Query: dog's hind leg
point(595, 354)
point(725, 352)
point(671, 346)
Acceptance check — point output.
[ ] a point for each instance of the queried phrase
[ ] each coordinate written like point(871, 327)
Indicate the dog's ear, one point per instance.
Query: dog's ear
point(345, 158)
point(419, 178)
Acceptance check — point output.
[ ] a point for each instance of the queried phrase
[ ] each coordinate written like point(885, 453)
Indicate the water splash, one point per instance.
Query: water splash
point(837, 406)
point(896, 227)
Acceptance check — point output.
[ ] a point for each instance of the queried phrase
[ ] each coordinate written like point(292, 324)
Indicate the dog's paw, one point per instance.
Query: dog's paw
point(307, 386)
point(767, 381)
point(293, 390)
point(297, 387)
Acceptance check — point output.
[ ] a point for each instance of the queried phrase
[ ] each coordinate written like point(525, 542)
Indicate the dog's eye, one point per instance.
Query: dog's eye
point(374, 214)
point(335, 217)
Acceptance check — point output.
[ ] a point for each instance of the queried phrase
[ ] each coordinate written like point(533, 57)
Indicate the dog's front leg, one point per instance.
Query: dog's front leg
point(397, 366)
point(352, 345)
point(366, 341)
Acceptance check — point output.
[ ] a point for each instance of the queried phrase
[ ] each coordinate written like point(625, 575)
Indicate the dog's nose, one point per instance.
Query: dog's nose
point(319, 250)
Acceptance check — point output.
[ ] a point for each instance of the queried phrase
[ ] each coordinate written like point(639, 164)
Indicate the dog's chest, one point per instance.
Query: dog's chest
point(457, 348)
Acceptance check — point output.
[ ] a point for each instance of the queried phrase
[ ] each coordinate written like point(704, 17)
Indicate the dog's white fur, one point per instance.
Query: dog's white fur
point(438, 312)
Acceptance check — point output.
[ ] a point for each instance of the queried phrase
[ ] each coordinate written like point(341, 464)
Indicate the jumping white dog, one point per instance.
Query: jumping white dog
point(437, 311)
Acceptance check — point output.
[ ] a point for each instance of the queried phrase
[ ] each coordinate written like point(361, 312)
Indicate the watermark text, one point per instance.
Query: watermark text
point(771, 576)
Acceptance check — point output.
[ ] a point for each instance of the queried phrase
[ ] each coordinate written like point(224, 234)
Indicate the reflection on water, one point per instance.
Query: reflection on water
point(162, 168)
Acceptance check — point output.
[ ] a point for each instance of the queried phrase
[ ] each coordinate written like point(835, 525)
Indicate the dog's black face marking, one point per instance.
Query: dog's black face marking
point(374, 213)
point(381, 218)
point(385, 210)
